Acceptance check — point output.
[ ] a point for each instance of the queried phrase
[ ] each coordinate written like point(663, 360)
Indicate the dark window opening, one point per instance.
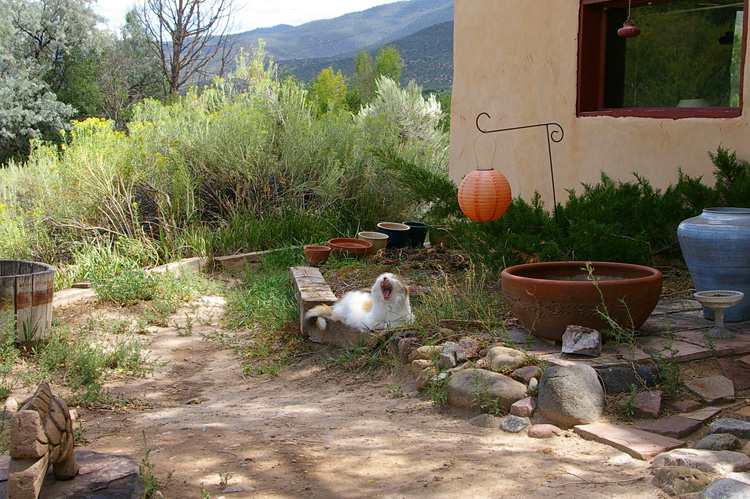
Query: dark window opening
point(687, 60)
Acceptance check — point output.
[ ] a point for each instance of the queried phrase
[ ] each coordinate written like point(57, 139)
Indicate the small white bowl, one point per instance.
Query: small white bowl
point(378, 240)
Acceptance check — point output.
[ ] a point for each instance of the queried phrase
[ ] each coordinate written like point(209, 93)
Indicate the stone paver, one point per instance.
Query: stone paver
point(704, 414)
point(712, 389)
point(738, 373)
point(647, 404)
point(684, 351)
point(639, 444)
point(673, 426)
point(685, 405)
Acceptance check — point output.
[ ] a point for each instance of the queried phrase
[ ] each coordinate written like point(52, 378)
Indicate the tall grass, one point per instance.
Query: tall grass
point(240, 165)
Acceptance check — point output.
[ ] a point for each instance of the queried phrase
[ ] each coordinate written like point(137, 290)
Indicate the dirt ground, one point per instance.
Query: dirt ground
point(320, 430)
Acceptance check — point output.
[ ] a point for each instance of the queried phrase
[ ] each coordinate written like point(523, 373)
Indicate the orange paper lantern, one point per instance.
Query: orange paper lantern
point(484, 195)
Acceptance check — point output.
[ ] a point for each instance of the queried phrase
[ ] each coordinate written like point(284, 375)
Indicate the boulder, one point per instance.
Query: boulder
point(726, 488)
point(464, 386)
point(719, 462)
point(571, 395)
point(719, 441)
point(678, 480)
point(736, 427)
point(504, 358)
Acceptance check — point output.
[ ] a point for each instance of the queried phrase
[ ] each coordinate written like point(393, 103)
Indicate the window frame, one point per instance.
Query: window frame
point(592, 23)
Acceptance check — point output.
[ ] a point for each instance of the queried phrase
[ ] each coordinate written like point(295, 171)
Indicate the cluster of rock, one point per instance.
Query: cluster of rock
point(498, 378)
point(714, 467)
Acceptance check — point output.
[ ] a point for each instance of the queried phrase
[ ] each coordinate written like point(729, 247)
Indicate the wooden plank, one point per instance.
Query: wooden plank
point(312, 289)
point(43, 286)
point(23, 304)
point(9, 267)
point(7, 305)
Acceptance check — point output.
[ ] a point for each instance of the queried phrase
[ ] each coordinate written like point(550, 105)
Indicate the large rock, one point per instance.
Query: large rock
point(570, 395)
point(736, 427)
point(464, 386)
point(504, 358)
point(719, 462)
point(678, 480)
point(719, 441)
point(620, 379)
point(726, 488)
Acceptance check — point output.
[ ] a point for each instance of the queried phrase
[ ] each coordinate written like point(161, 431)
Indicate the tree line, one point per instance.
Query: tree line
point(57, 64)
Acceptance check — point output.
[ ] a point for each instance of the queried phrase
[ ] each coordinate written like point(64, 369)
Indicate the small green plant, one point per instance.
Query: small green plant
point(187, 329)
point(483, 400)
point(437, 388)
point(205, 494)
point(629, 403)
point(669, 368)
point(151, 483)
point(224, 479)
point(126, 287)
point(396, 391)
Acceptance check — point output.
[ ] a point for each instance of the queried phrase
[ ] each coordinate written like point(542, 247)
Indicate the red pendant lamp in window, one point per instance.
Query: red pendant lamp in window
point(629, 29)
point(484, 195)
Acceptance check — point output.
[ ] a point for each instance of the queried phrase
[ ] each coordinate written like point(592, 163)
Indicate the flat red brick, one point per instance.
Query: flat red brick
point(639, 444)
point(673, 426)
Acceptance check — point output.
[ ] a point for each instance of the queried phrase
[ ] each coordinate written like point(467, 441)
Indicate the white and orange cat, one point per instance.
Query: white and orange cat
point(385, 306)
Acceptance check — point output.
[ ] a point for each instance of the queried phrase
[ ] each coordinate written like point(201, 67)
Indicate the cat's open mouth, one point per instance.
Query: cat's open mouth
point(387, 289)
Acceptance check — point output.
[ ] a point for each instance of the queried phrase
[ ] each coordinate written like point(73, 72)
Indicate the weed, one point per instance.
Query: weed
point(224, 479)
point(483, 400)
point(437, 388)
point(669, 368)
point(629, 402)
point(396, 391)
point(151, 483)
point(205, 494)
point(5, 419)
point(79, 435)
point(186, 330)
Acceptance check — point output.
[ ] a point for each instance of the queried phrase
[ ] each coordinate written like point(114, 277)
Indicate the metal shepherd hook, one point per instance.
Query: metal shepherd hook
point(555, 135)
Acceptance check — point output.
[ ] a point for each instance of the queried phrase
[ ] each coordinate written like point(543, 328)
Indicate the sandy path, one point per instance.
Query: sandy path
point(323, 432)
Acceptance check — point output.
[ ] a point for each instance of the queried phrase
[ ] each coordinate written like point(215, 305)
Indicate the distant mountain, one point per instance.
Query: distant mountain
point(348, 33)
point(427, 56)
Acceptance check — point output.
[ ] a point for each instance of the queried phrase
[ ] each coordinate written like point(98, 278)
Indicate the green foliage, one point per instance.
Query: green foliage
point(125, 288)
point(629, 402)
point(483, 401)
point(388, 64)
point(732, 178)
point(85, 365)
point(328, 91)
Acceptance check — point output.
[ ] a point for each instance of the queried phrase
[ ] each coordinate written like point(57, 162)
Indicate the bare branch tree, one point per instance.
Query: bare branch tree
point(187, 35)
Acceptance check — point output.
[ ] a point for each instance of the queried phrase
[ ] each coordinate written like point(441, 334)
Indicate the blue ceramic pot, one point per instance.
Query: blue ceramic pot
point(398, 234)
point(716, 247)
point(417, 233)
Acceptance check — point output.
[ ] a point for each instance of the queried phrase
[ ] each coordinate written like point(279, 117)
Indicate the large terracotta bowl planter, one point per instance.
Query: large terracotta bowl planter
point(547, 297)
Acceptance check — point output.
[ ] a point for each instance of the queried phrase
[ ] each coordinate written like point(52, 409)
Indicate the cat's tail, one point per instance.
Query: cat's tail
point(316, 317)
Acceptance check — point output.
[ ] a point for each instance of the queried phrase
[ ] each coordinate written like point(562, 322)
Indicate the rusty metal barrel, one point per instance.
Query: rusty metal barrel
point(26, 291)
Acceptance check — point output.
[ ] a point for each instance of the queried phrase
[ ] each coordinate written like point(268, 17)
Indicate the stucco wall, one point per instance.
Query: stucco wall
point(517, 61)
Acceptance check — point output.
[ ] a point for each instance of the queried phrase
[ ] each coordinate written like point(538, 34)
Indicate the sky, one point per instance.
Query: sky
point(256, 13)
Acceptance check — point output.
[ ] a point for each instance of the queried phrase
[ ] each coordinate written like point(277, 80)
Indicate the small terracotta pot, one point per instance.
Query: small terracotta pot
point(377, 239)
point(345, 246)
point(316, 254)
